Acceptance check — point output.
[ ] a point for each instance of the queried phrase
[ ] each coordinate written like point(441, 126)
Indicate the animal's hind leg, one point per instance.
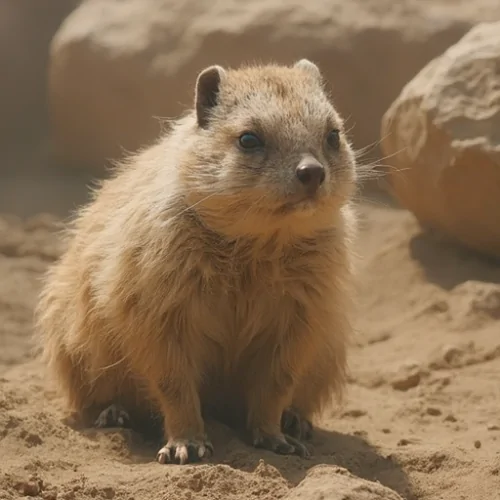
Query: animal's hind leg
point(296, 420)
point(94, 400)
point(123, 404)
point(70, 375)
point(115, 402)
point(315, 391)
point(115, 415)
point(321, 384)
point(297, 424)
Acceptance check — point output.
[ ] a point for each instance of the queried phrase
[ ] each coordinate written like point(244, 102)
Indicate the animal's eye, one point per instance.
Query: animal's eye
point(250, 141)
point(333, 139)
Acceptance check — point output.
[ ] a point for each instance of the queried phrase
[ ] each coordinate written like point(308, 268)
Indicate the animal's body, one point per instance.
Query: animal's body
point(211, 272)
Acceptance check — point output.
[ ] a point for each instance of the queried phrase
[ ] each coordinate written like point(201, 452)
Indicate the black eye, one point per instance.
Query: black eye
point(333, 139)
point(250, 141)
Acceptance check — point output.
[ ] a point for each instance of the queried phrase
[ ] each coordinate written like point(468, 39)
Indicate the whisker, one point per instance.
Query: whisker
point(187, 209)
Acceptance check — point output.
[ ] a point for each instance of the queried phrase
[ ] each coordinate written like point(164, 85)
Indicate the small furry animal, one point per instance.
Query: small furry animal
point(210, 274)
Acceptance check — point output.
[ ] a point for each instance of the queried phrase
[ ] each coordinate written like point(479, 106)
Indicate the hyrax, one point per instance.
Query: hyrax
point(210, 274)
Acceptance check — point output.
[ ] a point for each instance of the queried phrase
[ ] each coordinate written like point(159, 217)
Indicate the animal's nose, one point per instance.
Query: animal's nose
point(311, 175)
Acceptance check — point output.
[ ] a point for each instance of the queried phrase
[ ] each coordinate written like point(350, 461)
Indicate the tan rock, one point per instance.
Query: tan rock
point(444, 132)
point(335, 483)
point(116, 65)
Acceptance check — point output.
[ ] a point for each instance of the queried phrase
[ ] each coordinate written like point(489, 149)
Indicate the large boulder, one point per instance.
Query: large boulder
point(444, 133)
point(117, 66)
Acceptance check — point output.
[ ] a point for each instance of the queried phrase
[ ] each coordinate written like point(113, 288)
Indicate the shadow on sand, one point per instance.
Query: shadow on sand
point(448, 264)
point(233, 449)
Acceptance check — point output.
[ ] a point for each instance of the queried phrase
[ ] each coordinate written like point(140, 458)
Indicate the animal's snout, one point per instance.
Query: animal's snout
point(311, 175)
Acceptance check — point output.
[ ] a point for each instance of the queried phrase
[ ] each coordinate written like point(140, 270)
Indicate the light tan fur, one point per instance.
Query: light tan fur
point(196, 280)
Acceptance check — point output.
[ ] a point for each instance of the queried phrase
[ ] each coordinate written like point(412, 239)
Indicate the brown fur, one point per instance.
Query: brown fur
point(190, 283)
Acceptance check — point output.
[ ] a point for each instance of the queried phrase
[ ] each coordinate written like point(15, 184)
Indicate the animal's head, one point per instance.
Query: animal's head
point(270, 152)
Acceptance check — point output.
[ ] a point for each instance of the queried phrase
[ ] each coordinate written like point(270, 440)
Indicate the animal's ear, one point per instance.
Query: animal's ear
point(207, 91)
point(310, 67)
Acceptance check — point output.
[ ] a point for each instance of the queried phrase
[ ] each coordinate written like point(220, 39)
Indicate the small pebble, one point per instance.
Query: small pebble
point(451, 353)
point(406, 382)
point(443, 381)
point(435, 412)
point(477, 443)
point(386, 431)
point(360, 433)
point(355, 413)
point(403, 442)
point(30, 488)
point(493, 427)
point(450, 418)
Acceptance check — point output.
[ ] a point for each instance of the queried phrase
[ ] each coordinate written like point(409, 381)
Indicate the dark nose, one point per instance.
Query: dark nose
point(311, 175)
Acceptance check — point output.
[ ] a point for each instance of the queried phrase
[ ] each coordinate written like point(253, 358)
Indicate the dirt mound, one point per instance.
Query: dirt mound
point(421, 419)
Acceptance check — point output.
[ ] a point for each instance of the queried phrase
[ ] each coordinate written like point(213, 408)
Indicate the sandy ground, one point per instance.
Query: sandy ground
point(422, 413)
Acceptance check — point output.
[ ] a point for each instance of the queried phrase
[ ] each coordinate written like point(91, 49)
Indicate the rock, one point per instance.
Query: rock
point(487, 301)
point(473, 304)
point(31, 488)
point(116, 66)
point(443, 133)
point(407, 376)
point(404, 442)
point(433, 412)
point(452, 354)
point(354, 413)
point(406, 382)
point(335, 483)
point(26, 29)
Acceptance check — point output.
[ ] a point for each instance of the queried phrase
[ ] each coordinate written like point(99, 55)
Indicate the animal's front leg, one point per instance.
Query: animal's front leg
point(179, 401)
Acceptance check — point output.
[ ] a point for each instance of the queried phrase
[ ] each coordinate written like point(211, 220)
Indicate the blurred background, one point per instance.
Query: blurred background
point(83, 82)
point(418, 82)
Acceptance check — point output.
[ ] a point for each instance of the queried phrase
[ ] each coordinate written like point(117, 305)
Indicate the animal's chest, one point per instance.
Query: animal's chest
point(255, 304)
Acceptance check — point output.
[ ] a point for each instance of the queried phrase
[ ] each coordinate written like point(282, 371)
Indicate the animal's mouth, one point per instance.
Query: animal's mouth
point(300, 204)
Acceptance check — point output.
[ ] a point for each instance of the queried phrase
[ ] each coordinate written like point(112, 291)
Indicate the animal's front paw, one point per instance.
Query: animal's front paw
point(183, 451)
point(113, 416)
point(296, 426)
point(280, 444)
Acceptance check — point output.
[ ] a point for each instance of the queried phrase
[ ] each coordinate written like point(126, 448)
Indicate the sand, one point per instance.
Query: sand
point(421, 416)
